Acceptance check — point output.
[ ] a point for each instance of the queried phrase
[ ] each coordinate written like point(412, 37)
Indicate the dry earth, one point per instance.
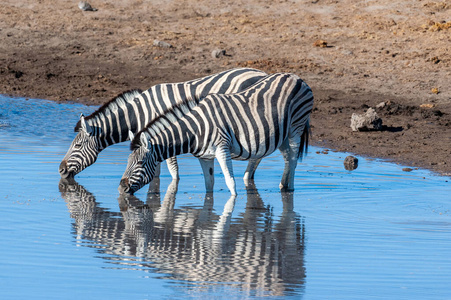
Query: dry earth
point(354, 54)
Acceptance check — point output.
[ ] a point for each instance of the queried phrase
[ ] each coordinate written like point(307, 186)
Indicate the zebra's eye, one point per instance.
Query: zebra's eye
point(77, 146)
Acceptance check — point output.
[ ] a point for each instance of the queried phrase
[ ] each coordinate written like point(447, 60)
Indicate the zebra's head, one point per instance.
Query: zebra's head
point(141, 165)
point(82, 152)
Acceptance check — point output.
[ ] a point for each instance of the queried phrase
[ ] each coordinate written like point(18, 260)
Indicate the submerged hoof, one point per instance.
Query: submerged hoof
point(285, 188)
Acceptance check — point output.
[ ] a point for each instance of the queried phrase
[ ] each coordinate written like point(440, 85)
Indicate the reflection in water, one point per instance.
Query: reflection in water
point(254, 252)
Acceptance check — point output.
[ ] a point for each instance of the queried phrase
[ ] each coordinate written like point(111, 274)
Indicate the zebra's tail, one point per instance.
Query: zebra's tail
point(303, 147)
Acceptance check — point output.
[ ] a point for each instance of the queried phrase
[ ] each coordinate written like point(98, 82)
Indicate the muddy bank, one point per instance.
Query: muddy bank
point(412, 135)
point(354, 54)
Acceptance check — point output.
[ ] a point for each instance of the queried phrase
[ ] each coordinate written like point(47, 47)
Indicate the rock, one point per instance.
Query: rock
point(407, 169)
point(85, 6)
point(435, 91)
point(427, 105)
point(351, 163)
point(368, 121)
point(162, 44)
point(217, 53)
point(381, 105)
point(320, 43)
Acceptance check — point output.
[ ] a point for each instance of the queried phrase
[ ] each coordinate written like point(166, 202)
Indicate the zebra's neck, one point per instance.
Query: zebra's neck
point(173, 133)
point(113, 121)
point(170, 149)
point(172, 140)
point(132, 111)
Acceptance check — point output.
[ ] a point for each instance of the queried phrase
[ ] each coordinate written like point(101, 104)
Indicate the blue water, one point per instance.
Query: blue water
point(374, 233)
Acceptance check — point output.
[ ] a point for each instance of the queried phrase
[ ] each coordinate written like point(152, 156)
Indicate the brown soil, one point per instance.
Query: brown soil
point(354, 55)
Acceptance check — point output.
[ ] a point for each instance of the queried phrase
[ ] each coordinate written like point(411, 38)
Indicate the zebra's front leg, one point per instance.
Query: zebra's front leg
point(209, 177)
point(250, 170)
point(173, 167)
point(290, 150)
point(225, 161)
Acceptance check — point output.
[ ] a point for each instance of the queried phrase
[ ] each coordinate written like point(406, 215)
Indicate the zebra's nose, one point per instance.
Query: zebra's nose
point(124, 186)
point(63, 169)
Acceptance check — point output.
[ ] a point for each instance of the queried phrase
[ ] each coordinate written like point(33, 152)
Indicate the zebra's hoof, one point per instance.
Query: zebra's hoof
point(285, 188)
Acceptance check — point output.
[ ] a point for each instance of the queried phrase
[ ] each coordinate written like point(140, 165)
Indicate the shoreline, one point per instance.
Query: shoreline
point(367, 144)
point(353, 54)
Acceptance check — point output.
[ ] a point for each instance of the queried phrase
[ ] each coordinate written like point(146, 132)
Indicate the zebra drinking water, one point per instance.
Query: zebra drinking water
point(133, 110)
point(272, 114)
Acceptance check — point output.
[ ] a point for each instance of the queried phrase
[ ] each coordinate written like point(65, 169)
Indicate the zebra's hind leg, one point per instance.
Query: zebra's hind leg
point(208, 169)
point(250, 170)
point(225, 161)
point(290, 153)
point(173, 167)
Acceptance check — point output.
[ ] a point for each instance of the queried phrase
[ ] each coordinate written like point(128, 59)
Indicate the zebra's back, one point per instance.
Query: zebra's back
point(259, 119)
point(163, 97)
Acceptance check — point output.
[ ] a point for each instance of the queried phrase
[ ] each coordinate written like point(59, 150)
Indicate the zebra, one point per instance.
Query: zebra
point(273, 113)
point(131, 111)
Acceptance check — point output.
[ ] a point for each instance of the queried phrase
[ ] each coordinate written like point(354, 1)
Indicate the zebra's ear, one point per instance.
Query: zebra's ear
point(144, 141)
point(131, 136)
point(84, 125)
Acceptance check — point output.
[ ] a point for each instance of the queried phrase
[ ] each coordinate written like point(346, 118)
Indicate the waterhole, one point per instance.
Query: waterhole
point(373, 233)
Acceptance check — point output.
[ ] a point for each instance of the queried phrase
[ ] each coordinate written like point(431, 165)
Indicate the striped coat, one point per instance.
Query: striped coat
point(133, 110)
point(272, 114)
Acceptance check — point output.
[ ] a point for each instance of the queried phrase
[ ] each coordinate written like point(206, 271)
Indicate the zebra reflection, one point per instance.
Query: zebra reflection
point(255, 251)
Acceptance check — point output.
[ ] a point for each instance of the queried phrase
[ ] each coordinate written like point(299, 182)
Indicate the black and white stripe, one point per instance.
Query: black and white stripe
point(272, 114)
point(133, 110)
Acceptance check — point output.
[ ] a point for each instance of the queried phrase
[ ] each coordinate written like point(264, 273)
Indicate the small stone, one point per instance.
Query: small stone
point(351, 163)
point(435, 90)
point(161, 44)
point(434, 60)
point(85, 6)
point(427, 105)
point(347, 52)
point(366, 122)
point(407, 169)
point(381, 105)
point(217, 53)
point(320, 43)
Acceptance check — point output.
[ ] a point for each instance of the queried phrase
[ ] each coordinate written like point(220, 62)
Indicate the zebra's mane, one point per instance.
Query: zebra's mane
point(157, 125)
point(112, 105)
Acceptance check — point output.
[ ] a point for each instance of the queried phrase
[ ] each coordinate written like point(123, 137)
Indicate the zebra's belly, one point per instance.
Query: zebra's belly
point(246, 150)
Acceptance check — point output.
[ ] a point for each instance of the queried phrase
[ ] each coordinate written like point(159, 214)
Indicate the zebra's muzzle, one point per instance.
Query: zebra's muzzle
point(64, 172)
point(124, 186)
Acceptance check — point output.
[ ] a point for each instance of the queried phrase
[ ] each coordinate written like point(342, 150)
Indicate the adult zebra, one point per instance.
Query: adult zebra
point(272, 114)
point(133, 110)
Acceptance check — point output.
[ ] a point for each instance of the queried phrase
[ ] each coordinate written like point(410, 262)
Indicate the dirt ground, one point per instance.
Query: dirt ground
point(354, 54)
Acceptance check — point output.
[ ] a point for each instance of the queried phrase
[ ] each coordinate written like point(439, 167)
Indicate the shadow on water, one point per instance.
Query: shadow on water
point(255, 252)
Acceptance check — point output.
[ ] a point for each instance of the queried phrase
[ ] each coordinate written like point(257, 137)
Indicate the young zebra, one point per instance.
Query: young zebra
point(133, 110)
point(272, 114)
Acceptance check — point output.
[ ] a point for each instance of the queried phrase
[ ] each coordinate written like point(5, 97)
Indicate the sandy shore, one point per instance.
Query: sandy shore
point(354, 55)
